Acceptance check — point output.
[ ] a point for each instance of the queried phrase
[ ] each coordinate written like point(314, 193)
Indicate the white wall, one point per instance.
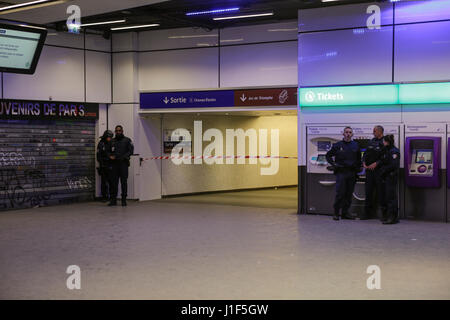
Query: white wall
point(179, 69)
point(267, 64)
point(98, 76)
point(190, 58)
point(125, 75)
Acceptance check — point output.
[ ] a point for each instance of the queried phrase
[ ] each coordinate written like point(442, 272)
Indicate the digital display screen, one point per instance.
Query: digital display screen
point(322, 158)
point(323, 145)
point(424, 156)
point(20, 48)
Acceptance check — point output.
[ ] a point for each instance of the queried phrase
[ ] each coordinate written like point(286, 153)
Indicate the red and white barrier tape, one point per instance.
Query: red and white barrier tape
point(216, 157)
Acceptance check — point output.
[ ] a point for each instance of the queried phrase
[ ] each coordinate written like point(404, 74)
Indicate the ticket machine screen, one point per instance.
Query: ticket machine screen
point(424, 156)
point(322, 159)
point(422, 162)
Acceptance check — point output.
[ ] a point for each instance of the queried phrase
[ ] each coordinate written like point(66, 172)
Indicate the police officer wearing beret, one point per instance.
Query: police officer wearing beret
point(345, 159)
point(390, 159)
point(104, 169)
point(372, 164)
point(121, 150)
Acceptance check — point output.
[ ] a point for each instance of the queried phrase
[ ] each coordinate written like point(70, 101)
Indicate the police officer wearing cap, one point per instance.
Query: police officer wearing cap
point(372, 164)
point(104, 168)
point(389, 174)
point(121, 150)
point(345, 159)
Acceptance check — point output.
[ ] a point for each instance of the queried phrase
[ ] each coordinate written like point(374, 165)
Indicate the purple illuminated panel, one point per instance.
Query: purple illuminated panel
point(338, 17)
point(356, 56)
point(422, 52)
point(448, 163)
point(423, 181)
point(422, 11)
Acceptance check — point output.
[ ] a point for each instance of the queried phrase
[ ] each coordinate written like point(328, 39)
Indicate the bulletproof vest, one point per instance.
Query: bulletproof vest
point(374, 151)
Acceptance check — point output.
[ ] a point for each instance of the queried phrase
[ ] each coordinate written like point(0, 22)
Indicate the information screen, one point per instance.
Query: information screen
point(322, 158)
point(424, 156)
point(20, 48)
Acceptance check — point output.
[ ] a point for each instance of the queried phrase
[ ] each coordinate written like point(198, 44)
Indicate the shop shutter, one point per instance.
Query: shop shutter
point(45, 162)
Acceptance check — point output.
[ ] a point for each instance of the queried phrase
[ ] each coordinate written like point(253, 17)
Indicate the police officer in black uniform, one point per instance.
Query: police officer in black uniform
point(121, 150)
point(389, 174)
point(372, 164)
point(346, 164)
point(104, 169)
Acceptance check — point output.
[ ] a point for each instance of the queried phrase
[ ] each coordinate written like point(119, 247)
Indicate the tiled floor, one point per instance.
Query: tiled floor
point(219, 246)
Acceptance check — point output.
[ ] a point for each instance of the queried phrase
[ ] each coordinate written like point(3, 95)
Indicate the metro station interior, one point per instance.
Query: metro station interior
point(231, 107)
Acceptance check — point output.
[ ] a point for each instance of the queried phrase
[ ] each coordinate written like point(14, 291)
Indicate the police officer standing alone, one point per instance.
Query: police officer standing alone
point(346, 164)
point(389, 174)
point(372, 164)
point(121, 150)
point(104, 169)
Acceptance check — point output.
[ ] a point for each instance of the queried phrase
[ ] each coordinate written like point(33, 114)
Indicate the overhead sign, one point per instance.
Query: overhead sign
point(32, 109)
point(413, 93)
point(266, 97)
point(349, 95)
point(193, 99)
point(419, 93)
point(219, 98)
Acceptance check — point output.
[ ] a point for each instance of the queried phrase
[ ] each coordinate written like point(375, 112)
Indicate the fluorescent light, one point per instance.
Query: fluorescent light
point(329, 0)
point(134, 27)
point(282, 30)
point(22, 4)
point(99, 23)
point(27, 26)
point(195, 36)
point(245, 16)
point(232, 40)
point(212, 11)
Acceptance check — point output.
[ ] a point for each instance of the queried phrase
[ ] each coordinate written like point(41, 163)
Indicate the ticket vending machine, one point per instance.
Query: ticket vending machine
point(320, 182)
point(425, 195)
point(423, 155)
point(448, 173)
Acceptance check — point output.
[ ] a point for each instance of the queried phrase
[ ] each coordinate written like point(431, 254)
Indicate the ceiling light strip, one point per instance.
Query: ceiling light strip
point(211, 11)
point(25, 4)
point(135, 27)
point(100, 23)
point(245, 16)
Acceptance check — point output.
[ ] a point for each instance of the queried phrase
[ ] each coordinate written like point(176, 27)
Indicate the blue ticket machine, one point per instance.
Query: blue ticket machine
point(423, 162)
point(448, 178)
point(448, 163)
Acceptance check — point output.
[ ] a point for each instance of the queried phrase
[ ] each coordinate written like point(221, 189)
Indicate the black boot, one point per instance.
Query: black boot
point(336, 215)
point(346, 215)
point(390, 219)
point(124, 202)
point(113, 202)
point(384, 215)
point(365, 215)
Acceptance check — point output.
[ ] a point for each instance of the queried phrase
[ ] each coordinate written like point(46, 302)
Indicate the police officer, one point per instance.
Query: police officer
point(389, 174)
point(372, 164)
point(121, 150)
point(104, 169)
point(346, 164)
